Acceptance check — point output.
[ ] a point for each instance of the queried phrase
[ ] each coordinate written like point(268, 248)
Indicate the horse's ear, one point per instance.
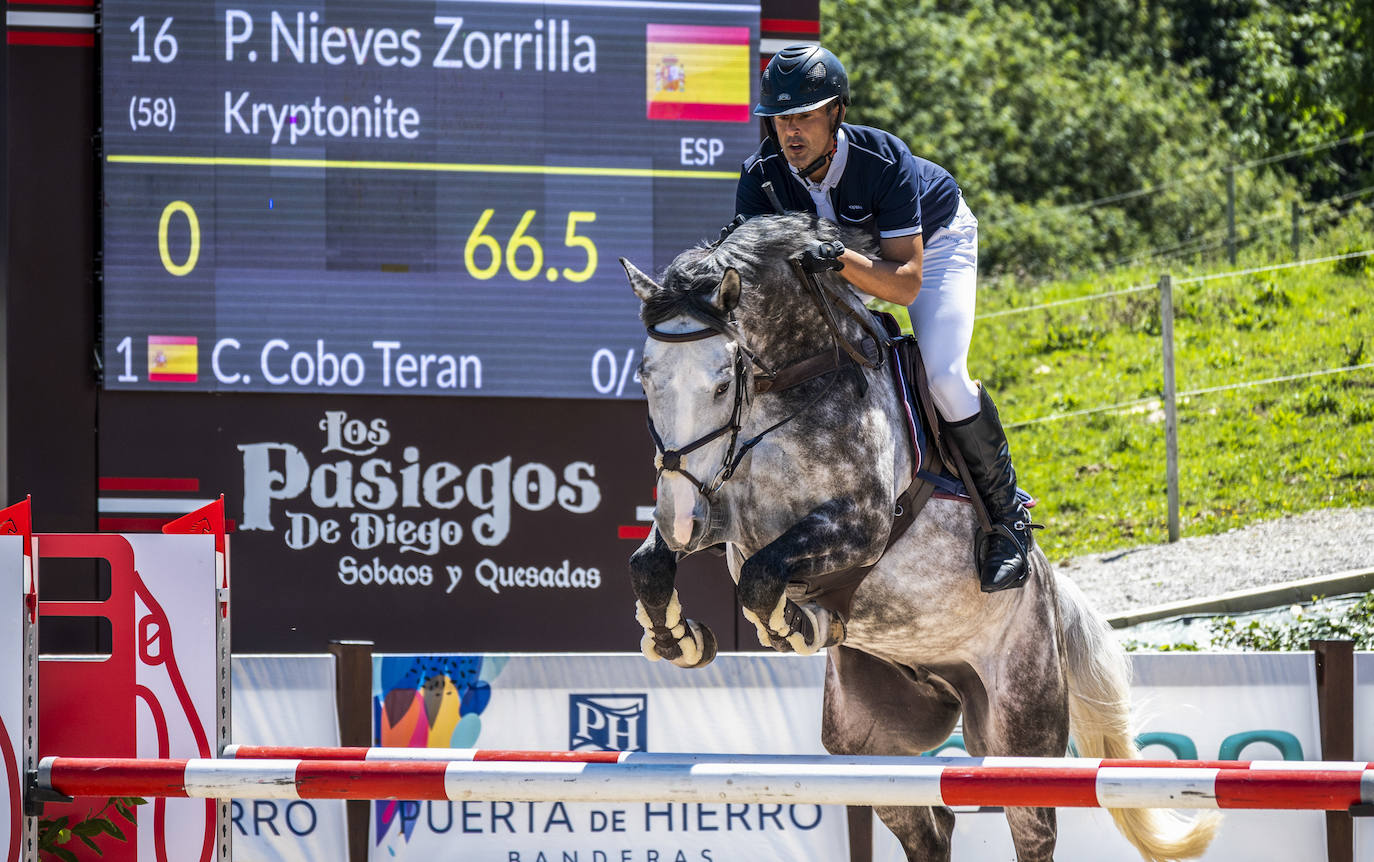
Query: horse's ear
point(727, 293)
point(644, 286)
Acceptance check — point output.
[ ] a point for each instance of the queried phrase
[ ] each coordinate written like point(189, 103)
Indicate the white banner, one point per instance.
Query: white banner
point(1209, 706)
point(1364, 743)
point(739, 704)
point(286, 700)
point(12, 694)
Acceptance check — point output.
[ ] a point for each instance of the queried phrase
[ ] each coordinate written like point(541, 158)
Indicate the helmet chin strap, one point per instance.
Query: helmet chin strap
point(823, 161)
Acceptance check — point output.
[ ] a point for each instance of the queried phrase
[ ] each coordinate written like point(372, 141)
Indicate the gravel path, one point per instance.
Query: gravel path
point(1320, 542)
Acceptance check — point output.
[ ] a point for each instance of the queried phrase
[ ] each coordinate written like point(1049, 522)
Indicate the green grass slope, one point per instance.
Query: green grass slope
point(1249, 451)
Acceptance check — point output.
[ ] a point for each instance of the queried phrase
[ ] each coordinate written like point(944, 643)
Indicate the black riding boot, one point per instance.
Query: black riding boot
point(1002, 556)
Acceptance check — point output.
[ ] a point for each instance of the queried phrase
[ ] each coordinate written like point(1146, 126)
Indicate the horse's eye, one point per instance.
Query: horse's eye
point(722, 388)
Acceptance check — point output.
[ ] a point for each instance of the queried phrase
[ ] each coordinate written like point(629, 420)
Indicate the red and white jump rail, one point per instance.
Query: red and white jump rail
point(639, 777)
point(294, 752)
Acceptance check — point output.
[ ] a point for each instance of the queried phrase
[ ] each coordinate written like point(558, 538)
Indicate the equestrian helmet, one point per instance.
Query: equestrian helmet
point(801, 78)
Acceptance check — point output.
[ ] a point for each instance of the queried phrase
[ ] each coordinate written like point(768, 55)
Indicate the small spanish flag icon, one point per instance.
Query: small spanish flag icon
point(172, 358)
point(697, 72)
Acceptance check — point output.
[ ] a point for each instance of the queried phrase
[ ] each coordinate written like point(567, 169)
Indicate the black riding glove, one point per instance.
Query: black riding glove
point(823, 256)
point(730, 228)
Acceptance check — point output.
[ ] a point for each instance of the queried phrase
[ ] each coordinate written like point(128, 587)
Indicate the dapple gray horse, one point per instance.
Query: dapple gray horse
point(803, 480)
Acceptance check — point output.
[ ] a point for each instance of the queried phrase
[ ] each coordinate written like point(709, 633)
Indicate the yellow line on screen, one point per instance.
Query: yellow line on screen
point(434, 167)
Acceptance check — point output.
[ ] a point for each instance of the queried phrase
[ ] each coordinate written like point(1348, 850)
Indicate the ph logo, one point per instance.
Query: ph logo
point(608, 722)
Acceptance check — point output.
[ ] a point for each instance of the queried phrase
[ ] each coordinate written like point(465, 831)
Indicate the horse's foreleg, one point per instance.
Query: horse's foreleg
point(835, 536)
point(686, 643)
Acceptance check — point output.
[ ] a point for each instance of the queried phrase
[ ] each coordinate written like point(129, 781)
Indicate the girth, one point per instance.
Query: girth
point(835, 590)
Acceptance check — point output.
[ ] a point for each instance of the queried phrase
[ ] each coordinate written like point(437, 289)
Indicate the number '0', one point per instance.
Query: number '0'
point(193, 223)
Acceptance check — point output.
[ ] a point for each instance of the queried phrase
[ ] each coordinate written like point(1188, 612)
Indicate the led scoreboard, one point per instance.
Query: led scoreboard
point(407, 197)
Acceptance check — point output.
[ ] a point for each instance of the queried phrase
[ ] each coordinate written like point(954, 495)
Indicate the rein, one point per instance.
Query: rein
point(825, 304)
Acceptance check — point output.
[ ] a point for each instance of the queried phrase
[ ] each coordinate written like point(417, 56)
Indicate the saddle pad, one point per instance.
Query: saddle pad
point(928, 466)
point(904, 353)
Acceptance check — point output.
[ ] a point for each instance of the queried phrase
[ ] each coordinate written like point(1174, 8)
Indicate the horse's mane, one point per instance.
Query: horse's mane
point(758, 250)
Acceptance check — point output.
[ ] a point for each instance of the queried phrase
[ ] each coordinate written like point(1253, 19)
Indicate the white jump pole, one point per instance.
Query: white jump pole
point(386, 753)
point(1336, 788)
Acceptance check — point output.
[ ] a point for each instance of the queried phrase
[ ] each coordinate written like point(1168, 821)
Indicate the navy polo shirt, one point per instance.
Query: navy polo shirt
point(882, 189)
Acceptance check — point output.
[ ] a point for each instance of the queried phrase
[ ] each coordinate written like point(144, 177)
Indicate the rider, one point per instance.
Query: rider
point(927, 260)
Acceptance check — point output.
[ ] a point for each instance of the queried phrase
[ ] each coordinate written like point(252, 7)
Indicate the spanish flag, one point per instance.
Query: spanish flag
point(172, 358)
point(697, 72)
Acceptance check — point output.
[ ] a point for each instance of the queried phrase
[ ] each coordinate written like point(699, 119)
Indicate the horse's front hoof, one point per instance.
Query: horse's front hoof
point(706, 645)
point(694, 647)
point(803, 629)
point(826, 628)
point(836, 631)
point(685, 643)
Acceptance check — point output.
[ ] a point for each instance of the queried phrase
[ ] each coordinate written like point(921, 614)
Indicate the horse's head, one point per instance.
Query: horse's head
point(722, 313)
point(693, 374)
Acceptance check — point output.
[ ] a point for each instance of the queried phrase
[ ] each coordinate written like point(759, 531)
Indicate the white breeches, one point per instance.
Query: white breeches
point(942, 315)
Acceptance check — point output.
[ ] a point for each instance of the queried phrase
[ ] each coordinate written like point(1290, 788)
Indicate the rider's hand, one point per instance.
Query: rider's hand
point(823, 256)
point(730, 228)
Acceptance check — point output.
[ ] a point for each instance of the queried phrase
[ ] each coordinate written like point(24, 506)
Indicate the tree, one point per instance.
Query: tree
point(1089, 136)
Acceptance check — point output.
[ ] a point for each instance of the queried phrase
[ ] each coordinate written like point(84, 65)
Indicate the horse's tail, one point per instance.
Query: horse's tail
point(1100, 725)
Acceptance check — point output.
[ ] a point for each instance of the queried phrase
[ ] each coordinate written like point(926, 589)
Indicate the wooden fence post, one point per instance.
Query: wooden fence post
point(860, 833)
point(1231, 213)
point(353, 697)
point(1166, 326)
point(1294, 240)
point(1336, 712)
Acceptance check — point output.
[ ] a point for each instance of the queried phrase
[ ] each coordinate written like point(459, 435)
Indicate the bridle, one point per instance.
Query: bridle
point(670, 460)
point(867, 354)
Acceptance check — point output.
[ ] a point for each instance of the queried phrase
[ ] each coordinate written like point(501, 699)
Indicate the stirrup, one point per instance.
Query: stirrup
point(1020, 535)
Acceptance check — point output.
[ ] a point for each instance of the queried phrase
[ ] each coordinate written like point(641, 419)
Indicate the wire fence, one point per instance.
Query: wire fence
point(1156, 401)
point(1004, 312)
point(1192, 229)
point(1320, 212)
point(1162, 405)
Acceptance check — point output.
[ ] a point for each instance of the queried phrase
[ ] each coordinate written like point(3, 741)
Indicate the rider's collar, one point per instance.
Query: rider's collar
point(837, 162)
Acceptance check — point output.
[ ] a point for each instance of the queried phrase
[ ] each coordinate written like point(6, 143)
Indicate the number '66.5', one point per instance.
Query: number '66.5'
point(520, 241)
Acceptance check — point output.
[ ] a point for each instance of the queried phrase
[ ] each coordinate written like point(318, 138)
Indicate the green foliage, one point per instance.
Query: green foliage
point(1355, 624)
point(1304, 624)
point(1132, 645)
point(53, 833)
point(1090, 135)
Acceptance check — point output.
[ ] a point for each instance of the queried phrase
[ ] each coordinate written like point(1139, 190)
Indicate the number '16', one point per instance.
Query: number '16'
point(164, 43)
point(193, 223)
